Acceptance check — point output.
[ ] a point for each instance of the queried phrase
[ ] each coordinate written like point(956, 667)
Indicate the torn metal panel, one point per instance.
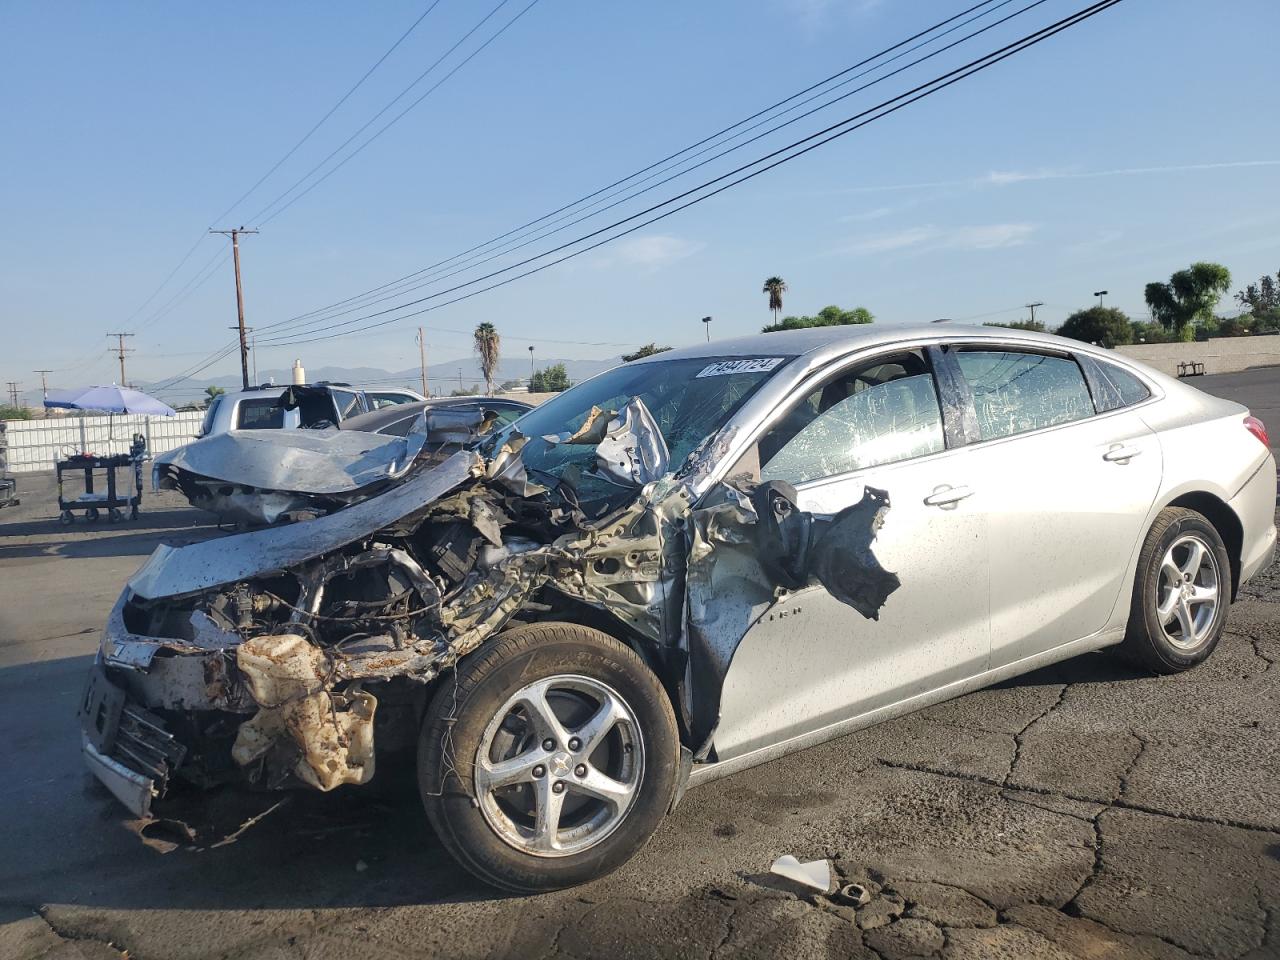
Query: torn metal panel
point(172, 571)
point(630, 449)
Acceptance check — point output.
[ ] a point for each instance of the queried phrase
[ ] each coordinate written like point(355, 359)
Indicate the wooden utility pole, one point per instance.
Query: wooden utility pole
point(13, 392)
point(422, 360)
point(120, 352)
point(234, 234)
point(44, 384)
point(1032, 308)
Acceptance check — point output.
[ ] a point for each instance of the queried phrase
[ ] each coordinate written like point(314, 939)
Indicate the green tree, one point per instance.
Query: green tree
point(1188, 298)
point(648, 350)
point(551, 380)
point(1262, 300)
point(487, 344)
point(1140, 331)
point(211, 392)
point(1105, 326)
point(1033, 325)
point(831, 316)
point(10, 412)
point(774, 288)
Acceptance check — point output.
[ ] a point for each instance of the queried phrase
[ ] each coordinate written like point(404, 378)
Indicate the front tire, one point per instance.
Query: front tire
point(1180, 594)
point(549, 759)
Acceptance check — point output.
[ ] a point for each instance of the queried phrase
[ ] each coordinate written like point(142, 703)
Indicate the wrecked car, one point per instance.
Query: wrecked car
point(257, 477)
point(685, 566)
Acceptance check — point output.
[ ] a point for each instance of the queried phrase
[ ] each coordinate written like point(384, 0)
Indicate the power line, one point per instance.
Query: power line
point(643, 170)
point(343, 99)
point(543, 234)
point(820, 138)
point(319, 123)
point(198, 280)
point(261, 214)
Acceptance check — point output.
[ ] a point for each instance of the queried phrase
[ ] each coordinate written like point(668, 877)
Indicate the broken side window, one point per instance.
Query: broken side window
point(1014, 392)
point(881, 412)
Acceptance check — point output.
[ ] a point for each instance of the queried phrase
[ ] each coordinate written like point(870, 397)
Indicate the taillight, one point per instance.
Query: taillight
point(1257, 428)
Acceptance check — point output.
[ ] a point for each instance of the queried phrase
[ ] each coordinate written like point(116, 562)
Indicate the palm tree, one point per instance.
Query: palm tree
point(775, 287)
point(487, 343)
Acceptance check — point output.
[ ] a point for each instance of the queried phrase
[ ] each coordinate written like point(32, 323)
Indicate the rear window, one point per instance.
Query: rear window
point(262, 414)
point(1017, 392)
point(1126, 389)
point(207, 425)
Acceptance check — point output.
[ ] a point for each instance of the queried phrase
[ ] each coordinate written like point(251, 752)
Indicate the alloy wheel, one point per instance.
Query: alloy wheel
point(559, 766)
point(1188, 591)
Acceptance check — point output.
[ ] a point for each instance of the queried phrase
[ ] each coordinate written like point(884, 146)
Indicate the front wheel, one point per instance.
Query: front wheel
point(549, 760)
point(1180, 595)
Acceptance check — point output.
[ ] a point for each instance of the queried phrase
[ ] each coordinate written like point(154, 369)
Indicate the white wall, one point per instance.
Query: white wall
point(1220, 355)
point(37, 444)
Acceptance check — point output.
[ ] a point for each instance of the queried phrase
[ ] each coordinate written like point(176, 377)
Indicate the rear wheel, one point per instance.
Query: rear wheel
point(551, 760)
point(1180, 595)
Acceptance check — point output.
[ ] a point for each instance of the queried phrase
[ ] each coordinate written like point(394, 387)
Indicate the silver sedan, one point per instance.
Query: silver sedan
point(689, 565)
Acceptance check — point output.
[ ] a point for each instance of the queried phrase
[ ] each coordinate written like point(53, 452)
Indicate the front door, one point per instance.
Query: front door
point(865, 447)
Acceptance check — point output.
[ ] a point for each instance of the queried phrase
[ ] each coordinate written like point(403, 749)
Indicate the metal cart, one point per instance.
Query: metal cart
point(8, 486)
point(116, 498)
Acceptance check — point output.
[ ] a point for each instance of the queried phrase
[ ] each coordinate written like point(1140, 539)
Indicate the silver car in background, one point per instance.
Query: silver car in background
point(686, 566)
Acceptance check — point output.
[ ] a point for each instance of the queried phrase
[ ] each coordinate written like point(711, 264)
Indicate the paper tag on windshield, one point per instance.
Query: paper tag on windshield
point(756, 365)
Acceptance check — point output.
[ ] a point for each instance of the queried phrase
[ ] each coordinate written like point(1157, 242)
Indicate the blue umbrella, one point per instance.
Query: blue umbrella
point(112, 399)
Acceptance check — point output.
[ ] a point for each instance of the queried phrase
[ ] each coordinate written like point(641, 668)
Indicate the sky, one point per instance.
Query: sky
point(1104, 158)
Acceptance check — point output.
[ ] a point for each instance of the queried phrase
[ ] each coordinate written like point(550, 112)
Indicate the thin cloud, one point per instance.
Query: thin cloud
point(1000, 178)
point(991, 236)
point(648, 252)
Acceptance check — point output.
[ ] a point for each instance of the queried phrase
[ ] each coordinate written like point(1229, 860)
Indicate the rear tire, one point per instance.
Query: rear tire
point(518, 797)
point(1180, 594)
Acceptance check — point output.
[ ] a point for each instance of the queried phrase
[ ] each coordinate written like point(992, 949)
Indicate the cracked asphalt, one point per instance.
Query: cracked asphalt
point(1083, 811)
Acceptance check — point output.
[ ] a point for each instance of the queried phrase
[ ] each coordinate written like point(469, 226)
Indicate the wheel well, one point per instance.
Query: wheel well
point(1224, 521)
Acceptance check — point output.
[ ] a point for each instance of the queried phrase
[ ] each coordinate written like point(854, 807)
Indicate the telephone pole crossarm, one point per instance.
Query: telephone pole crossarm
point(121, 350)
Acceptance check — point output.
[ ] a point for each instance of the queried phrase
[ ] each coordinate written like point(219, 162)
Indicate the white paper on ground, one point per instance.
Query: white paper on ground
point(815, 874)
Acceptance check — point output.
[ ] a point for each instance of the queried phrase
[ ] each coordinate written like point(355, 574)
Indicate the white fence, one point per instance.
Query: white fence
point(38, 444)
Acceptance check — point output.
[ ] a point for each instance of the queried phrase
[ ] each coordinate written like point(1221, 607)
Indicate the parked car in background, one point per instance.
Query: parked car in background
point(312, 406)
point(390, 397)
point(688, 565)
point(398, 420)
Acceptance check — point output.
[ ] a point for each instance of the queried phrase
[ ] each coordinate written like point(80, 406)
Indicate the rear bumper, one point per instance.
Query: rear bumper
point(1255, 505)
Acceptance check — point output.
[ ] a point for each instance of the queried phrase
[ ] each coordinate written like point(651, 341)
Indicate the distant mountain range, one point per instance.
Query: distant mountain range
point(443, 377)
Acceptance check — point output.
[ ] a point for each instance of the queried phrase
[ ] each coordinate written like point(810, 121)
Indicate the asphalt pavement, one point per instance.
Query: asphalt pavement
point(1083, 811)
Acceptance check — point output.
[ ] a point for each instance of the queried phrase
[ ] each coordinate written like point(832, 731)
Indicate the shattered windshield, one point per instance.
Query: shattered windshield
point(689, 400)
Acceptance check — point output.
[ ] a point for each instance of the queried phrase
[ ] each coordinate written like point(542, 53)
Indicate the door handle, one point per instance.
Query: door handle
point(945, 496)
point(1120, 454)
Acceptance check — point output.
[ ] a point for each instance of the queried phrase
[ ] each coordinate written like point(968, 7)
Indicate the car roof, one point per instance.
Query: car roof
point(847, 338)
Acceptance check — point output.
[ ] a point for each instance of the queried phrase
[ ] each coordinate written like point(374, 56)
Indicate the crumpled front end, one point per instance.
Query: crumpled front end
point(293, 656)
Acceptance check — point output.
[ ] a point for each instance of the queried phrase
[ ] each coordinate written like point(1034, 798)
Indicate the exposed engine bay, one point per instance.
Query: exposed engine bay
point(294, 655)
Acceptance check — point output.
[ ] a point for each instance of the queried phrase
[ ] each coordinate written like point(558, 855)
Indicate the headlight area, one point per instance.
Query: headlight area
point(245, 685)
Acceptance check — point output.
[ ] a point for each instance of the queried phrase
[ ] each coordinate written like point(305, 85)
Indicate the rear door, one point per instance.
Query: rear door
point(871, 437)
point(1065, 491)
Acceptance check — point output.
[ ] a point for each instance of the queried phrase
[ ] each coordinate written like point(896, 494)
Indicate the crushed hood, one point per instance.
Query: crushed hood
point(328, 462)
point(171, 571)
